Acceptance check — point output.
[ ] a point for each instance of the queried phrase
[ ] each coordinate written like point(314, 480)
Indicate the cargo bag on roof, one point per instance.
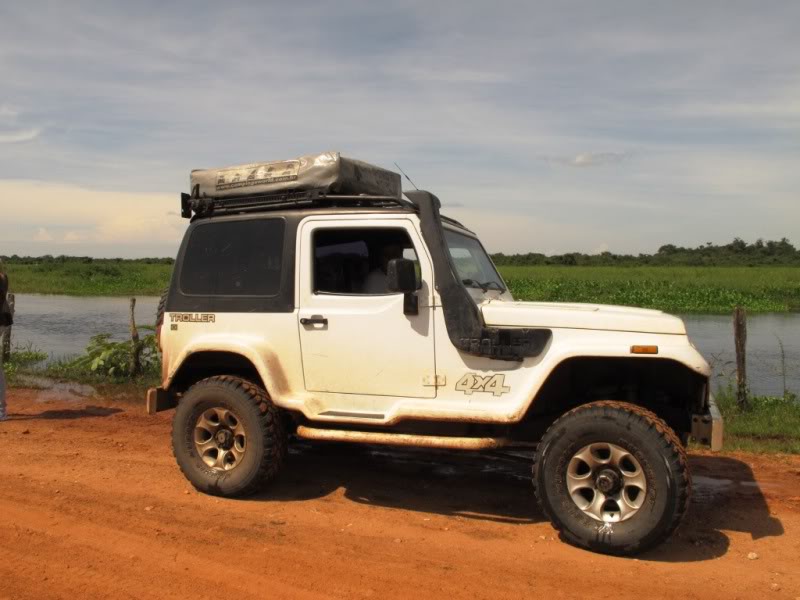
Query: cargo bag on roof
point(328, 172)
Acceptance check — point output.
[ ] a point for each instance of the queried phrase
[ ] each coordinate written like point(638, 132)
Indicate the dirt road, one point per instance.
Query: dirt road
point(93, 506)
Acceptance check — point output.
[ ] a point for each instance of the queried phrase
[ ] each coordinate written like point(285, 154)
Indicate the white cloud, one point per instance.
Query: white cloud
point(457, 75)
point(588, 159)
point(8, 112)
point(20, 136)
point(510, 233)
point(85, 219)
point(75, 236)
point(486, 110)
point(42, 235)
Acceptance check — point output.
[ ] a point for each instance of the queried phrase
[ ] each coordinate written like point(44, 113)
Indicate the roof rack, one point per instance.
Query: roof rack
point(204, 207)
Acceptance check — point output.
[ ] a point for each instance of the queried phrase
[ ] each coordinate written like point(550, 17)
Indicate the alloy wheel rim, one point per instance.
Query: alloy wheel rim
point(220, 438)
point(606, 482)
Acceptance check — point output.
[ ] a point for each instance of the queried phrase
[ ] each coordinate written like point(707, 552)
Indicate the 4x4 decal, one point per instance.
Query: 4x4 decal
point(491, 384)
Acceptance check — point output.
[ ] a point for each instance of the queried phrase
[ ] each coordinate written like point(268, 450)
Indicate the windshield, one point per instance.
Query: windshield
point(474, 267)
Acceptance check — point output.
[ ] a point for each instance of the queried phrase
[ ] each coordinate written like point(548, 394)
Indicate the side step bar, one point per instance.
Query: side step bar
point(401, 439)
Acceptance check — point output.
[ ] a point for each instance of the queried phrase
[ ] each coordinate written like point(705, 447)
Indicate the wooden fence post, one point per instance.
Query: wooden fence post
point(5, 338)
point(740, 341)
point(783, 366)
point(136, 350)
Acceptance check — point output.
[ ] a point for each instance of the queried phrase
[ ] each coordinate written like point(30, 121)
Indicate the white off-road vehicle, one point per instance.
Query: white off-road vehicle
point(310, 298)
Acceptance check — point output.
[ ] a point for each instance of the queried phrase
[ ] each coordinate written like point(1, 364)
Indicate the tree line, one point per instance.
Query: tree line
point(736, 253)
point(61, 259)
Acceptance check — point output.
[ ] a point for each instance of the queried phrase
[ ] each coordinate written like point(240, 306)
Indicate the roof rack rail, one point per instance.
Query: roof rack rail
point(205, 206)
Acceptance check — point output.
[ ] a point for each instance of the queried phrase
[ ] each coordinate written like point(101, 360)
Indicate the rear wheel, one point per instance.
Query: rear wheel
point(612, 477)
point(227, 436)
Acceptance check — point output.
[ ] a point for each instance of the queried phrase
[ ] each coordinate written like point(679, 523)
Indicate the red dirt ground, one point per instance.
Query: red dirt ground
point(92, 505)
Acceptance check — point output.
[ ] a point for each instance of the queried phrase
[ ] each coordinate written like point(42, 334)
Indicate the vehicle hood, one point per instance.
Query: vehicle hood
point(552, 315)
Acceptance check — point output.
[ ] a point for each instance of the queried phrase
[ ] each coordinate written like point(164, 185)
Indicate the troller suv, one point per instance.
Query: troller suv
point(312, 298)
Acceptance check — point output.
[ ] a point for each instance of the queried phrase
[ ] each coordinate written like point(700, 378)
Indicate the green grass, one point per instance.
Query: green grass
point(714, 290)
point(98, 278)
point(21, 359)
point(770, 424)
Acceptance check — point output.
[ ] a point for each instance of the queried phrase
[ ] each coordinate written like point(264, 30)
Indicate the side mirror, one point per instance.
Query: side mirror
point(401, 276)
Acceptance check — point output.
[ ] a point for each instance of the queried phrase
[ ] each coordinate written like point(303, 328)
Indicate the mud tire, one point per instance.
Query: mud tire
point(263, 423)
point(650, 440)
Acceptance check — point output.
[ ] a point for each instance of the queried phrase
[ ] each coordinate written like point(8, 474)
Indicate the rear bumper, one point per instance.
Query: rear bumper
point(707, 428)
point(159, 399)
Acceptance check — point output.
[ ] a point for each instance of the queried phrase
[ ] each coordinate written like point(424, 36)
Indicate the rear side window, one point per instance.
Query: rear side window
point(234, 258)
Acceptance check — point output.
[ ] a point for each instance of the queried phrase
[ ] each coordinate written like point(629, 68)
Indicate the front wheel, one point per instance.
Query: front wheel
point(227, 436)
point(612, 477)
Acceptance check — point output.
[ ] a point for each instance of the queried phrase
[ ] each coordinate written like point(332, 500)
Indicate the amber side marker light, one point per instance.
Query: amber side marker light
point(644, 349)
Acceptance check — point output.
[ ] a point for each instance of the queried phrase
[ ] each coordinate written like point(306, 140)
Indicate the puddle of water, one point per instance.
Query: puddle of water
point(62, 391)
point(706, 490)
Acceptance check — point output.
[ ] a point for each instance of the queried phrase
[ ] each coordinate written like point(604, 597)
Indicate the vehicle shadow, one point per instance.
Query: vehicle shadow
point(468, 485)
point(725, 497)
point(496, 487)
point(68, 413)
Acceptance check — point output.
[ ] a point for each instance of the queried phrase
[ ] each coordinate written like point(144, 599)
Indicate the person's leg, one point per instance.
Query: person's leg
point(3, 415)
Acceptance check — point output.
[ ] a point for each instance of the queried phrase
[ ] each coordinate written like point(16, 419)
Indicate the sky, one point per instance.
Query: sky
point(543, 126)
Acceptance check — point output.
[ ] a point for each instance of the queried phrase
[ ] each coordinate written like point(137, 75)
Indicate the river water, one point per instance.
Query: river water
point(62, 326)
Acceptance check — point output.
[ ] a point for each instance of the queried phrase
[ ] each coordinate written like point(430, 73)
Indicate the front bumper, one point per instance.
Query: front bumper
point(707, 428)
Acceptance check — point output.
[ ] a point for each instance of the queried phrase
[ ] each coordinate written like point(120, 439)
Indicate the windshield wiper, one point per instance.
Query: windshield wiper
point(473, 283)
point(488, 284)
point(484, 286)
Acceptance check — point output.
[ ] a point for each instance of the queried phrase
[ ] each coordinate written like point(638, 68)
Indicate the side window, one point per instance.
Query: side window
point(234, 258)
point(354, 261)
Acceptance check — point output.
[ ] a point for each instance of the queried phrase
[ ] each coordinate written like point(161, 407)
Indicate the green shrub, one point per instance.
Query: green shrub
point(107, 360)
point(104, 361)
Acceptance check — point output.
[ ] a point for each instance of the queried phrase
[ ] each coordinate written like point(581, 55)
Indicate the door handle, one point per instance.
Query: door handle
point(314, 320)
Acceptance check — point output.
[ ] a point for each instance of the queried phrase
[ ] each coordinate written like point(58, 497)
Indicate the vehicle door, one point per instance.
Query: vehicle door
point(354, 333)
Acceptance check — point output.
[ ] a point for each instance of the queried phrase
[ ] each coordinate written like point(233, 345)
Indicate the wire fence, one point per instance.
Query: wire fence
point(769, 373)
